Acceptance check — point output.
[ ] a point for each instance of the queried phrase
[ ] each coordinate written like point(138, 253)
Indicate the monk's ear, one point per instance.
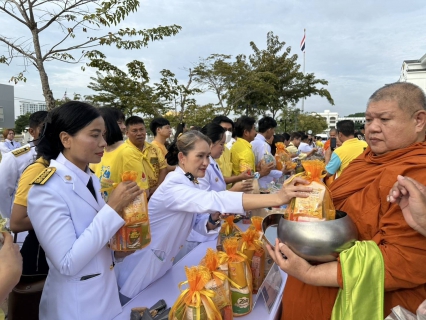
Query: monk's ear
point(420, 119)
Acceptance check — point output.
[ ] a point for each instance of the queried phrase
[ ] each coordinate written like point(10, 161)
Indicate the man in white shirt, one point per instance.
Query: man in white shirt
point(261, 147)
point(304, 146)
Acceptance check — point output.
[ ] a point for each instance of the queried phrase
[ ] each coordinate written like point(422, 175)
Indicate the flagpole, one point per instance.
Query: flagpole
point(304, 60)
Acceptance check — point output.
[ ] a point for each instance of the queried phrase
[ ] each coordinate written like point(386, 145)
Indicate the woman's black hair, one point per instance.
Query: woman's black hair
point(113, 132)
point(179, 130)
point(70, 117)
point(214, 131)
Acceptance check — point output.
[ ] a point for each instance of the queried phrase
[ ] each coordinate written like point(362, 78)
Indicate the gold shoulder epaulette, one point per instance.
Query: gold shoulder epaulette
point(44, 176)
point(21, 151)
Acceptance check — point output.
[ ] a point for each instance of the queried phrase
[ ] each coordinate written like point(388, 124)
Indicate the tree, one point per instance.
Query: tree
point(282, 82)
point(357, 114)
point(73, 18)
point(129, 91)
point(174, 95)
point(306, 122)
point(22, 122)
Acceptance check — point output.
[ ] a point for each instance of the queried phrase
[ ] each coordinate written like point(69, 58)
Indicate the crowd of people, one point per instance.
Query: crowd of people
point(63, 194)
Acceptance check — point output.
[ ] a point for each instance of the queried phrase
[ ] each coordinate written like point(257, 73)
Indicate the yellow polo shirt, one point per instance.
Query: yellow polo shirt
point(160, 146)
point(152, 162)
point(242, 157)
point(225, 164)
point(29, 174)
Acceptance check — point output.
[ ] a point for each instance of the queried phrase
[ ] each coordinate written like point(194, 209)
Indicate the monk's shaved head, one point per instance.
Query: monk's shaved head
point(408, 96)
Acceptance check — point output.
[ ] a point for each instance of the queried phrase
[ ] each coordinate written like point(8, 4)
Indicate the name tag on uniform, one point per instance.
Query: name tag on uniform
point(154, 160)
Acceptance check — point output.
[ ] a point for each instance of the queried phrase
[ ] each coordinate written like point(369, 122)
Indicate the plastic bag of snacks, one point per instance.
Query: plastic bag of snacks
point(318, 206)
point(3, 224)
point(135, 234)
point(240, 275)
point(269, 262)
point(283, 158)
point(228, 229)
point(195, 302)
point(252, 247)
point(217, 263)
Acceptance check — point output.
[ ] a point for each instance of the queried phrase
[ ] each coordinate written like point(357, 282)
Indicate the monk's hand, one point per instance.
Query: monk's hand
point(291, 263)
point(295, 188)
point(411, 197)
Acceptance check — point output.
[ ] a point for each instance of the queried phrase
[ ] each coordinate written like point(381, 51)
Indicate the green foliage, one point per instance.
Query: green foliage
point(174, 95)
point(357, 114)
point(265, 82)
point(76, 19)
point(22, 122)
point(306, 122)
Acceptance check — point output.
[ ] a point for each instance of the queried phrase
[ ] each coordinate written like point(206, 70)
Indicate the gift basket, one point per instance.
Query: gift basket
point(195, 302)
point(241, 277)
point(227, 230)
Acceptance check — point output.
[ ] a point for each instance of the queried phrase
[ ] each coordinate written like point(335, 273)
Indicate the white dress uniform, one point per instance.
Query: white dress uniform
point(260, 147)
point(74, 229)
point(213, 180)
point(172, 213)
point(11, 167)
point(7, 146)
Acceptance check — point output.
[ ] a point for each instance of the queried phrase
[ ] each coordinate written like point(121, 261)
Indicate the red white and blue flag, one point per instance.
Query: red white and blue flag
point(302, 44)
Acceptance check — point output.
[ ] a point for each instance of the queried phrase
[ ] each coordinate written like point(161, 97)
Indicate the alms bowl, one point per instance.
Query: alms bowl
point(319, 241)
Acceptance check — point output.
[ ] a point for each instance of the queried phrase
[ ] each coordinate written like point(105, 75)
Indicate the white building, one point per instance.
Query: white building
point(414, 71)
point(333, 117)
point(29, 106)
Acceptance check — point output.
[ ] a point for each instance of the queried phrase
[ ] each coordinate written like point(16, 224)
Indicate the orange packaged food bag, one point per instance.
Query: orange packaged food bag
point(217, 263)
point(195, 302)
point(269, 262)
point(318, 206)
point(136, 233)
point(283, 157)
point(241, 277)
point(252, 247)
point(228, 229)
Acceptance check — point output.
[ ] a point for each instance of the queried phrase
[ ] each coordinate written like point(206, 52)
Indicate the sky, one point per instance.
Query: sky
point(357, 46)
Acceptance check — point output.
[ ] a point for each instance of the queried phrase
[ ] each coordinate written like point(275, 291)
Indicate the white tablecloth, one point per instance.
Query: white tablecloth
point(167, 288)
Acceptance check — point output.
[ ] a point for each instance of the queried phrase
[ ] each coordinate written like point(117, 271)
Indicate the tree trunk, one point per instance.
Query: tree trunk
point(183, 100)
point(47, 93)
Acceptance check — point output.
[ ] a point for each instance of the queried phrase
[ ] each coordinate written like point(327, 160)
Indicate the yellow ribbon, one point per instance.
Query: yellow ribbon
point(188, 297)
point(224, 277)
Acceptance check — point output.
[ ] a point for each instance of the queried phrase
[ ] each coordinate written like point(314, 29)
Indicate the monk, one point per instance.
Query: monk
point(395, 132)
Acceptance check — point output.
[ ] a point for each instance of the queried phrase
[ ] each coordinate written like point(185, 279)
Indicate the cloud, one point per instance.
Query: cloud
point(357, 46)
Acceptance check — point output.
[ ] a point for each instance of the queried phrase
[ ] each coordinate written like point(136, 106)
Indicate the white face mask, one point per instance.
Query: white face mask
point(228, 135)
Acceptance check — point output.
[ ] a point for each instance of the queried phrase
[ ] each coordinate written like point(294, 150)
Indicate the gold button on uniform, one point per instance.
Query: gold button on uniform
point(180, 248)
point(172, 259)
point(68, 178)
point(217, 179)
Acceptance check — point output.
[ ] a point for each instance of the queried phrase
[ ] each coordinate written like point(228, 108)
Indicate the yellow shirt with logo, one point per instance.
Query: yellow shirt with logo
point(152, 162)
point(29, 174)
point(114, 163)
point(225, 164)
point(160, 146)
point(242, 157)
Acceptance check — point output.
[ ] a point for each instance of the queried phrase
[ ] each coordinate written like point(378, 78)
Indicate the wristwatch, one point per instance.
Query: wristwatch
point(214, 222)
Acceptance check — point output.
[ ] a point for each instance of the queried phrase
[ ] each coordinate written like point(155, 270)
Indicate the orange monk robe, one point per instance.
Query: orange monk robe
point(361, 191)
point(327, 144)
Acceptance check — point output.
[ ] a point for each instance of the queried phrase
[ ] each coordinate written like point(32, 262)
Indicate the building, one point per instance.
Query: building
point(333, 117)
point(414, 71)
point(7, 106)
point(31, 106)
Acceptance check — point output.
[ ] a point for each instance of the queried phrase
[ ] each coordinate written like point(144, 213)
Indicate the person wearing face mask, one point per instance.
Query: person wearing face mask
point(173, 210)
point(224, 161)
point(213, 180)
point(71, 220)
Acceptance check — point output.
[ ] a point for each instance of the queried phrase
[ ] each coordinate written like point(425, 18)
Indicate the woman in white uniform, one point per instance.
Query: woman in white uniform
point(70, 219)
point(173, 210)
point(213, 180)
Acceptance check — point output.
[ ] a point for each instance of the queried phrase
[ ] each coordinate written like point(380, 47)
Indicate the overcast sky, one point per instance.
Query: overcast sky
point(357, 46)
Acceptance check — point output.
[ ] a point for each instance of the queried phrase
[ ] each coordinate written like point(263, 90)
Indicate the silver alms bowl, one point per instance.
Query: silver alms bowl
point(320, 241)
